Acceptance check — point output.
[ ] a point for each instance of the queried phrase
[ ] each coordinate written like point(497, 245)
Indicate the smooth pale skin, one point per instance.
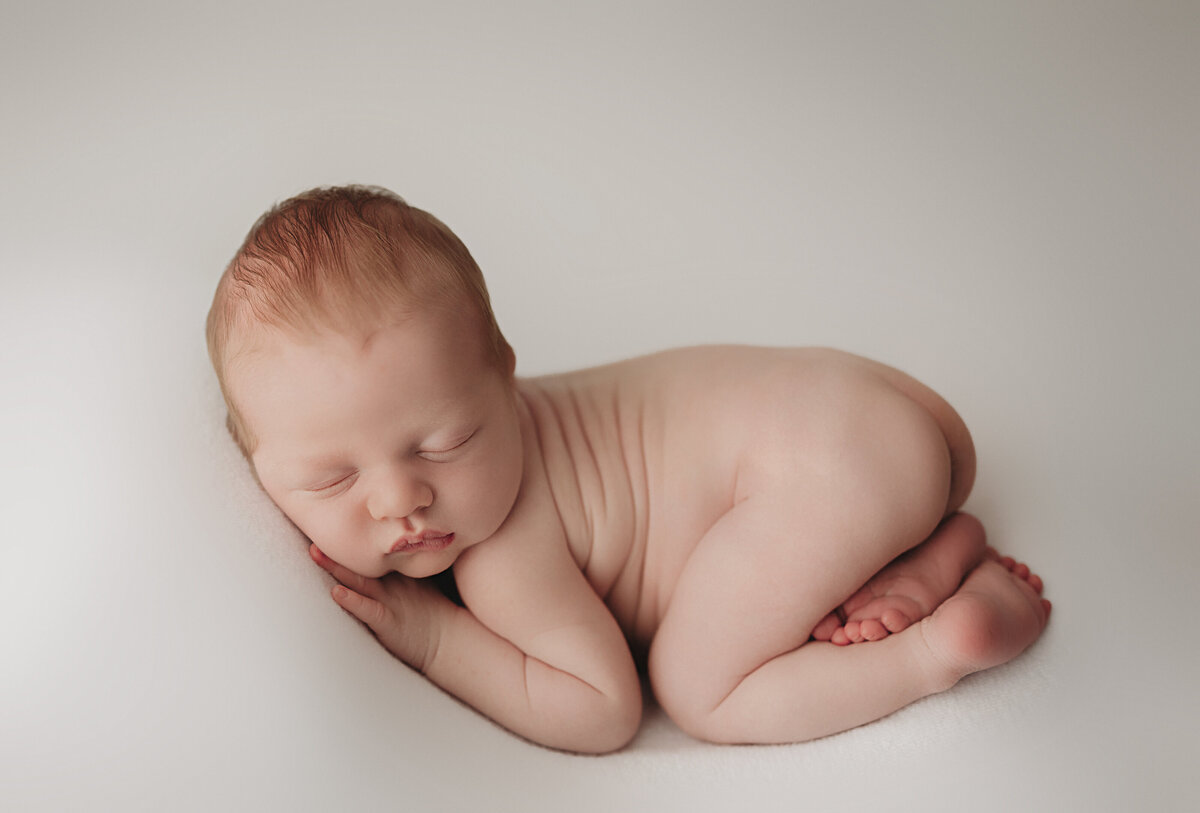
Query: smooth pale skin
point(701, 509)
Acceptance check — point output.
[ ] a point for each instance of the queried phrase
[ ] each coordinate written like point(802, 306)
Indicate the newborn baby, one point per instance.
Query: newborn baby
point(772, 535)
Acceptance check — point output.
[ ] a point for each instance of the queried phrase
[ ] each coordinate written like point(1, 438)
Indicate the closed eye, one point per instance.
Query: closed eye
point(331, 486)
point(442, 455)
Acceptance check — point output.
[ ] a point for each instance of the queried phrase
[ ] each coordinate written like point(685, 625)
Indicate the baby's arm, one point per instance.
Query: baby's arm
point(550, 663)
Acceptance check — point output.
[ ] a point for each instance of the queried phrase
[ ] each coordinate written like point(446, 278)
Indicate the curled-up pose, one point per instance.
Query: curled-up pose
point(774, 535)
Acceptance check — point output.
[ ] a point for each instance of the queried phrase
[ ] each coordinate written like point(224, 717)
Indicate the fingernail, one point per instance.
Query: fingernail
point(340, 592)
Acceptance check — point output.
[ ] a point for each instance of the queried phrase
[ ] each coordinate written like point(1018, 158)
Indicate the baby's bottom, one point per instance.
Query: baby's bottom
point(735, 659)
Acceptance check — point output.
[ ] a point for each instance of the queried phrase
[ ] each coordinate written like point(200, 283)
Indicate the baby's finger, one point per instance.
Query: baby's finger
point(318, 556)
point(367, 610)
point(347, 577)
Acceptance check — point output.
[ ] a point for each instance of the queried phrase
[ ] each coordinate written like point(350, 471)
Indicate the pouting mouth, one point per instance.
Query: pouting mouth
point(427, 540)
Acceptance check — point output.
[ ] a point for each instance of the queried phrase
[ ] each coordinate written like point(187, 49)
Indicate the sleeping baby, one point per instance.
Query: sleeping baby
point(771, 537)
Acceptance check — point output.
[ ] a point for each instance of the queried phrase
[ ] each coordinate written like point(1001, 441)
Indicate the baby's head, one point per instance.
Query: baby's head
point(366, 380)
point(343, 260)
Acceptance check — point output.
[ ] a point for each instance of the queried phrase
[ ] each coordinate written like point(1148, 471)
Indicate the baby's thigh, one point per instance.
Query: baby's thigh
point(798, 545)
point(754, 587)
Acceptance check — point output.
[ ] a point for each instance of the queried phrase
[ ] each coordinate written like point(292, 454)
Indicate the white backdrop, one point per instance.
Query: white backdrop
point(1001, 199)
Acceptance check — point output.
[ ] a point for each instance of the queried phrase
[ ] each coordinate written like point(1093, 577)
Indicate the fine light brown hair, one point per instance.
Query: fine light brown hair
point(340, 259)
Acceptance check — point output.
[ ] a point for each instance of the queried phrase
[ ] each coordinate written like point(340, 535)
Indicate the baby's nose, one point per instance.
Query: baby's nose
point(399, 496)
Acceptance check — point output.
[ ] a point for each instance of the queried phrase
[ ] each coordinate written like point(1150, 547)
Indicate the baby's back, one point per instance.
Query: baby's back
point(643, 456)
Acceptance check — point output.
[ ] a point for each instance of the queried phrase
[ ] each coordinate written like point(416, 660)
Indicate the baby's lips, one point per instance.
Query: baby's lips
point(427, 540)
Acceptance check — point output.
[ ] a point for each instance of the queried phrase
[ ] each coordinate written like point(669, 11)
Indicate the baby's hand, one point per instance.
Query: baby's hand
point(403, 613)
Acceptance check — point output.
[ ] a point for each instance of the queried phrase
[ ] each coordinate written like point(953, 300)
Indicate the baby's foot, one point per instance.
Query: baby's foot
point(909, 588)
point(993, 617)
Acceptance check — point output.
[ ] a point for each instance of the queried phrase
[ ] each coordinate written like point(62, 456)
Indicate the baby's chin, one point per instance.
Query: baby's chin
point(425, 567)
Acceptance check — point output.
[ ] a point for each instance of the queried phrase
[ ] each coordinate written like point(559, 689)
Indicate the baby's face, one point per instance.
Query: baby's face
point(396, 454)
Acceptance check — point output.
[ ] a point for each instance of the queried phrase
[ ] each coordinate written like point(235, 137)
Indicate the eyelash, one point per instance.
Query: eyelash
point(427, 453)
point(330, 486)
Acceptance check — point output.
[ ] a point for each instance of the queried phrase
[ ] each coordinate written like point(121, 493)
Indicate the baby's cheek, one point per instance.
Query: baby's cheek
point(326, 532)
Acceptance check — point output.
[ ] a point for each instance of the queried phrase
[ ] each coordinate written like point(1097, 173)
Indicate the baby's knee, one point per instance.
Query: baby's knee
point(691, 695)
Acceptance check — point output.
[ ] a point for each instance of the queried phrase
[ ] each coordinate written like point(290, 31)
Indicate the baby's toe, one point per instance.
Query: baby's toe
point(826, 627)
point(873, 630)
point(895, 621)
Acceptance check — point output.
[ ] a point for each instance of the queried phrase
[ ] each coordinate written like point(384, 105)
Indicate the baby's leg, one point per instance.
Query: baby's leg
point(911, 587)
point(729, 661)
point(732, 661)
